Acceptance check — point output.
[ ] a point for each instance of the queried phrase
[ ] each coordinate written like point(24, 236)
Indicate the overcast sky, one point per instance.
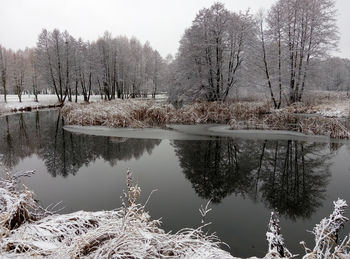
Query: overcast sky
point(161, 22)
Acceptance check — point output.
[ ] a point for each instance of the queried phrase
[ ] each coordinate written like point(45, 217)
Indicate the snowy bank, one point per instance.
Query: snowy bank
point(28, 103)
point(27, 230)
point(240, 116)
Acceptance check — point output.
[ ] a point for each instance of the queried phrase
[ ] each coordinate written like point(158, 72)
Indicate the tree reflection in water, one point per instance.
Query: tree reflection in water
point(288, 175)
point(63, 153)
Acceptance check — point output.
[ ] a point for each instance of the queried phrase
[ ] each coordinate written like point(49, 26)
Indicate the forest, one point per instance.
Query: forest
point(280, 52)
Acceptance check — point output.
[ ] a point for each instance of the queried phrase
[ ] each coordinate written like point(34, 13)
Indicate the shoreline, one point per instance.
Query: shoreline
point(31, 109)
point(199, 132)
point(238, 116)
point(30, 231)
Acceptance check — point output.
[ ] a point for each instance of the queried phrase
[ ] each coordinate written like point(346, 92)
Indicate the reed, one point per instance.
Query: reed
point(140, 114)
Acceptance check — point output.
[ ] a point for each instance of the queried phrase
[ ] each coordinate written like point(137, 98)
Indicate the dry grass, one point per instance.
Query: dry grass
point(139, 114)
point(17, 206)
point(128, 232)
point(136, 113)
point(312, 98)
point(283, 120)
point(325, 103)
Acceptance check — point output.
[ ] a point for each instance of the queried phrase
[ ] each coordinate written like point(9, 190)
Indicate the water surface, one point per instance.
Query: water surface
point(244, 177)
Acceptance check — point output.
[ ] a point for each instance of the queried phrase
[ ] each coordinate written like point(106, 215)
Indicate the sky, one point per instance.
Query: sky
point(161, 22)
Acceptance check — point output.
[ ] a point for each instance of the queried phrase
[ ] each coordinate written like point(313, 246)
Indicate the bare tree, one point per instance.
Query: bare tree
point(113, 67)
point(301, 30)
point(18, 69)
point(33, 73)
point(54, 53)
point(266, 60)
point(3, 70)
point(212, 51)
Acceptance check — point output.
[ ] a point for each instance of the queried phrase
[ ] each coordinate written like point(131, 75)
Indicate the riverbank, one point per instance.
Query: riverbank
point(29, 231)
point(45, 101)
point(238, 115)
point(28, 104)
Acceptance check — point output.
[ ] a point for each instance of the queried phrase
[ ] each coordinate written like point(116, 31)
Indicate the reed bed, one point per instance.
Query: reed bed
point(140, 114)
point(135, 113)
point(282, 120)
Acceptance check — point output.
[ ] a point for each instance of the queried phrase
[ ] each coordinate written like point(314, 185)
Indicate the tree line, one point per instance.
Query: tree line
point(113, 67)
point(285, 50)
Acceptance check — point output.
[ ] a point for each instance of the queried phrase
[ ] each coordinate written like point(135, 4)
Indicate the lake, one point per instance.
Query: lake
point(245, 178)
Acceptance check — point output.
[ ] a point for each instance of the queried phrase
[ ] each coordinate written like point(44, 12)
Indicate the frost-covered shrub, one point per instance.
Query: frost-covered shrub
point(128, 232)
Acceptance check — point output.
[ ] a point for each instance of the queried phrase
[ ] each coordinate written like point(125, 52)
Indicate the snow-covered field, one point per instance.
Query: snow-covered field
point(327, 103)
point(337, 109)
point(45, 100)
point(28, 101)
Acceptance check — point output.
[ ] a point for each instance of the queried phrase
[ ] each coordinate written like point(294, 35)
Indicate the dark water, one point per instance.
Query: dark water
point(245, 179)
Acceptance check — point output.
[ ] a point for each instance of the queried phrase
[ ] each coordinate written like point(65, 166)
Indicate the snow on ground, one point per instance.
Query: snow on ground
point(29, 231)
point(337, 109)
point(327, 103)
point(28, 101)
point(44, 100)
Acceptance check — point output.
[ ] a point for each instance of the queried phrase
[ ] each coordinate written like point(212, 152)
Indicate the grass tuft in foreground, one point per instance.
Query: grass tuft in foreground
point(127, 232)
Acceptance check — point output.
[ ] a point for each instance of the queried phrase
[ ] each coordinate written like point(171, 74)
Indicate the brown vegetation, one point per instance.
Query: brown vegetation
point(288, 121)
point(244, 115)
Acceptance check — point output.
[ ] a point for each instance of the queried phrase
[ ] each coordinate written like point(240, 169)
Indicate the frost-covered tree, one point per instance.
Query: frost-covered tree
point(3, 71)
point(17, 72)
point(127, 68)
point(111, 66)
point(299, 31)
point(83, 63)
point(212, 51)
point(107, 78)
point(332, 74)
point(270, 41)
point(55, 61)
point(32, 79)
